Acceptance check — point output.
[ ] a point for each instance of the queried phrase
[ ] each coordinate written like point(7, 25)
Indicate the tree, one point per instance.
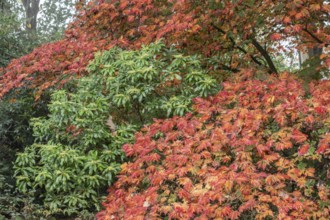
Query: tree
point(16, 107)
point(54, 17)
point(18, 22)
point(49, 18)
point(10, 39)
point(244, 33)
point(259, 149)
point(31, 13)
point(152, 82)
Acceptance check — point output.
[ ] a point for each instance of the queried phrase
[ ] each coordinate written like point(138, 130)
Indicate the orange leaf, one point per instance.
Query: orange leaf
point(303, 149)
point(286, 20)
point(275, 37)
point(298, 137)
point(323, 146)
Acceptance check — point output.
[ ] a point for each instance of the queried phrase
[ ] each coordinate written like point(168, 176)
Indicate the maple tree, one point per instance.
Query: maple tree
point(244, 33)
point(258, 149)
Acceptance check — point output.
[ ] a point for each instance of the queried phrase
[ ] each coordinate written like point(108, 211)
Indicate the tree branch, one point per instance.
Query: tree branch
point(238, 47)
point(265, 54)
point(314, 37)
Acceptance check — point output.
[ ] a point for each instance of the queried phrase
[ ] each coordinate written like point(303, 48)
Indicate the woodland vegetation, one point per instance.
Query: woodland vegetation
point(165, 109)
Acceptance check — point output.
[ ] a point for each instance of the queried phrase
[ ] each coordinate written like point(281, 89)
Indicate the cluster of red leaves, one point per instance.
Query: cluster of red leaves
point(56, 62)
point(204, 27)
point(236, 156)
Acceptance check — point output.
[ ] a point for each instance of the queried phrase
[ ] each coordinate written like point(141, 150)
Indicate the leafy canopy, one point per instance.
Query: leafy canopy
point(259, 149)
point(245, 33)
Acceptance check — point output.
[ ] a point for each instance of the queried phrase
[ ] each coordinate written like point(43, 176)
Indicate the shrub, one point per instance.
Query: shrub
point(152, 82)
point(16, 109)
point(9, 201)
point(259, 149)
point(77, 154)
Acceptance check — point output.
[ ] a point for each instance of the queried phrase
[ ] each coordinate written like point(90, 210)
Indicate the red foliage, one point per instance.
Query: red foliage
point(204, 27)
point(248, 151)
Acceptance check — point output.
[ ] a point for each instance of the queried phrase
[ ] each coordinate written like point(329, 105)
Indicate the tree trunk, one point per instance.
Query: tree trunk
point(4, 6)
point(31, 11)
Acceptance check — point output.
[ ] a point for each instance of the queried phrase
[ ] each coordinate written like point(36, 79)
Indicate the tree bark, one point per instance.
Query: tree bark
point(264, 53)
point(31, 12)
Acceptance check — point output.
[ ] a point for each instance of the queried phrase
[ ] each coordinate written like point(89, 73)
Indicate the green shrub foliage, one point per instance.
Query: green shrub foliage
point(16, 110)
point(152, 82)
point(75, 156)
point(77, 152)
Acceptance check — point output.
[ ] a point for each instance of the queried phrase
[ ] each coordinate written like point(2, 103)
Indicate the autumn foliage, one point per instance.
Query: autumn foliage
point(236, 30)
point(259, 149)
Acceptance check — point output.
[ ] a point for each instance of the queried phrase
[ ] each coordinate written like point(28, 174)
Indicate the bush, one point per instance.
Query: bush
point(154, 82)
point(16, 110)
point(10, 202)
point(78, 147)
point(75, 155)
point(256, 150)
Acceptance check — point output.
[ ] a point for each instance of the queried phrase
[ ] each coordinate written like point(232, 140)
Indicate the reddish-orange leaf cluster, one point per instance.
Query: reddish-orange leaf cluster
point(257, 149)
point(235, 28)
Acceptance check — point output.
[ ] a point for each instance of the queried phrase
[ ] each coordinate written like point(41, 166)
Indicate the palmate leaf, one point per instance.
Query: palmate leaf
point(218, 161)
point(243, 33)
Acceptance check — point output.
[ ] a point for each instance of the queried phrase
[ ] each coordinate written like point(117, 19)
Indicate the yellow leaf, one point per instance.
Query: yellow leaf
point(228, 186)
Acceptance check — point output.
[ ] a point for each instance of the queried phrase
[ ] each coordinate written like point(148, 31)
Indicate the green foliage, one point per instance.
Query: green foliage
point(9, 201)
point(71, 178)
point(151, 82)
point(10, 41)
point(54, 17)
point(76, 157)
point(16, 111)
point(77, 152)
point(312, 70)
point(72, 113)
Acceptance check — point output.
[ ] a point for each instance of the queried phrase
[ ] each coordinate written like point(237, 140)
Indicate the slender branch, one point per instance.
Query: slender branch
point(265, 54)
point(314, 37)
point(238, 47)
